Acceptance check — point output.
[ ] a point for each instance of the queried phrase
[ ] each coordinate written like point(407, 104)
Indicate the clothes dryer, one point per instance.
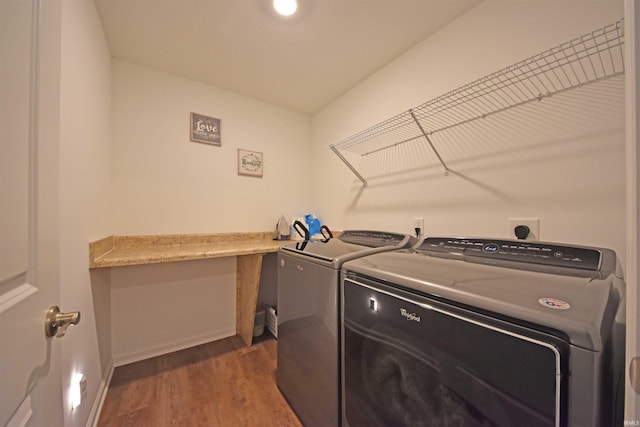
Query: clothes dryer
point(483, 332)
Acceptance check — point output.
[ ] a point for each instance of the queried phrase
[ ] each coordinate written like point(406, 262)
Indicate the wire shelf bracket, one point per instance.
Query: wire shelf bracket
point(587, 59)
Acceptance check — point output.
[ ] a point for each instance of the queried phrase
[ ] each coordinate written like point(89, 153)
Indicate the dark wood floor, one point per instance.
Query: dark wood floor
point(222, 383)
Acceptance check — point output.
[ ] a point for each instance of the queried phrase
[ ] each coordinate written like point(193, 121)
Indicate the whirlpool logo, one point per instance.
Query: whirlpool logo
point(410, 316)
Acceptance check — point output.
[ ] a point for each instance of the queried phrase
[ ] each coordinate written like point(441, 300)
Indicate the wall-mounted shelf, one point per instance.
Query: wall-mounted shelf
point(584, 60)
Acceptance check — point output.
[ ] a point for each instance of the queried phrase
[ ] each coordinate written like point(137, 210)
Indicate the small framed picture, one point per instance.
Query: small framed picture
point(249, 162)
point(205, 129)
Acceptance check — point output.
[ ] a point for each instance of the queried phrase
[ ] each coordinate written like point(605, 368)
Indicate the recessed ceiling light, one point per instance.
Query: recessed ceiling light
point(285, 7)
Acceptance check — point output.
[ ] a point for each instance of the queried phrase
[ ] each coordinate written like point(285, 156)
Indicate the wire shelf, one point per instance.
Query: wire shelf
point(584, 60)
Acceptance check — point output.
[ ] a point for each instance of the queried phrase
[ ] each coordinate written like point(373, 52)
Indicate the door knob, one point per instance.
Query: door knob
point(56, 323)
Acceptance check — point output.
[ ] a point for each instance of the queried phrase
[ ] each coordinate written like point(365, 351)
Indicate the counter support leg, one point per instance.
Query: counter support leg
point(248, 269)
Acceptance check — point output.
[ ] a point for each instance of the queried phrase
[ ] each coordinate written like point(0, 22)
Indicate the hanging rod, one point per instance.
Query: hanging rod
point(584, 60)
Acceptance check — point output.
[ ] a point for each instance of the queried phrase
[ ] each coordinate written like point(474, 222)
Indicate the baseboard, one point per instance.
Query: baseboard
point(165, 348)
point(96, 409)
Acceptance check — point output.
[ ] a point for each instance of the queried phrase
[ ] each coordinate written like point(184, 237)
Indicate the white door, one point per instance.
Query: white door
point(30, 386)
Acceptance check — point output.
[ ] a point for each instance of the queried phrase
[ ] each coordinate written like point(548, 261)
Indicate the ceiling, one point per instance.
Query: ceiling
point(302, 63)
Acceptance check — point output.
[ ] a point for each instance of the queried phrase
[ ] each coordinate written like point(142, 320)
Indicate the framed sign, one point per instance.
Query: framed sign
point(249, 163)
point(205, 129)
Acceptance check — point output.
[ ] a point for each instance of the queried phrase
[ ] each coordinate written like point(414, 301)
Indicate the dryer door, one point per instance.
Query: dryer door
point(412, 361)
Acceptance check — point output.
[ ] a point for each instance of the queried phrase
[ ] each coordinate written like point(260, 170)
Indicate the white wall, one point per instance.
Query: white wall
point(563, 162)
point(85, 199)
point(161, 308)
point(166, 184)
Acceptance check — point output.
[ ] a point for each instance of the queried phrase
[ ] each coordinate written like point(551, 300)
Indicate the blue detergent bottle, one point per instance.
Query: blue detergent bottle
point(313, 223)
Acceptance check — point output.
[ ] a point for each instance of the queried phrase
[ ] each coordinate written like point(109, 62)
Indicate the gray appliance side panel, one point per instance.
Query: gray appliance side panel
point(308, 359)
point(585, 388)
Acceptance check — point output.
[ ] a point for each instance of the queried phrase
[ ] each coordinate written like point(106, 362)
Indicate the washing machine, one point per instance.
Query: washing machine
point(308, 373)
point(483, 332)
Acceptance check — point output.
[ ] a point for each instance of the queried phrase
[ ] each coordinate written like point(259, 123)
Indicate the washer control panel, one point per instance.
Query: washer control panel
point(514, 250)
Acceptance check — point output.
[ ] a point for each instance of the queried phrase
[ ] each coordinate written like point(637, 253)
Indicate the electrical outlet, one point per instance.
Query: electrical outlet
point(418, 223)
point(532, 223)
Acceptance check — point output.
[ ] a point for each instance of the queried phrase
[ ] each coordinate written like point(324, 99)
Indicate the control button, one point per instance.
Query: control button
point(558, 254)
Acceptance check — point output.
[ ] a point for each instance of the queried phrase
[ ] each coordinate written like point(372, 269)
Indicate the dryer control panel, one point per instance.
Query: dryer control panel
point(513, 250)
